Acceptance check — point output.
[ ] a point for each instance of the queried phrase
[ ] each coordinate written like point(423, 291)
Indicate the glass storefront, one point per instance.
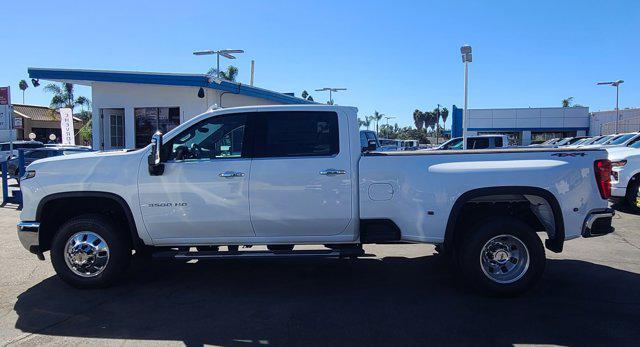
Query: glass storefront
point(148, 120)
point(540, 137)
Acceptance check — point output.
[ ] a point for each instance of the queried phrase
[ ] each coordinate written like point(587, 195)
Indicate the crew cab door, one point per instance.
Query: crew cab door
point(203, 192)
point(301, 179)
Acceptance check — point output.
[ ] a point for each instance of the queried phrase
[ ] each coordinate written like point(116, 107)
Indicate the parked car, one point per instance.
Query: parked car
point(40, 153)
point(294, 175)
point(5, 151)
point(476, 142)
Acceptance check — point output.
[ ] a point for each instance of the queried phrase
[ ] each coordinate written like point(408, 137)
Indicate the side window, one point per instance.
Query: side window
point(497, 142)
point(478, 143)
point(296, 134)
point(214, 138)
point(363, 139)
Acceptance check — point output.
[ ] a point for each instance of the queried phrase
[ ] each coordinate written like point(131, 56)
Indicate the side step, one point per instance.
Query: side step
point(328, 253)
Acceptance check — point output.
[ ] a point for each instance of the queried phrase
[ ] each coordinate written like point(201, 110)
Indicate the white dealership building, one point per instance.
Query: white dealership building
point(128, 107)
point(524, 125)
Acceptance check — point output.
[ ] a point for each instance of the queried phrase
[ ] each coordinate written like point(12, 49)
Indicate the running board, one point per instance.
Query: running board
point(318, 253)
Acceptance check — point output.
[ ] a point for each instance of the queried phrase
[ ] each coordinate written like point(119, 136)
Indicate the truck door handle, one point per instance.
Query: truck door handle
point(331, 172)
point(229, 174)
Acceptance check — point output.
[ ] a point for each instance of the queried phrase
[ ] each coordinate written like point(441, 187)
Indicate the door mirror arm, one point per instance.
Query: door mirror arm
point(156, 165)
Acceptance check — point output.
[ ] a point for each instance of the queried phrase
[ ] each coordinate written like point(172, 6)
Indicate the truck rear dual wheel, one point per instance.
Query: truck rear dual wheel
point(90, 252)
point(502, 257)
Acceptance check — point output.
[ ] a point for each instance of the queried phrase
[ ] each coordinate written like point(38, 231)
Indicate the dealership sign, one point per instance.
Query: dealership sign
point(5, 108)
point(66, 125)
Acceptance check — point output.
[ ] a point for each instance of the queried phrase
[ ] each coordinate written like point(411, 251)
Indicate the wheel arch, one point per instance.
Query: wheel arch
point(555, 241)
point(75, 197)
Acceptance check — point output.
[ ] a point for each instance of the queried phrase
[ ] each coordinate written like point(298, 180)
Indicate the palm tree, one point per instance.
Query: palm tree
point(418, 119)
point(306, 95)
point(63, 96)
point(567, 102)
point(229, 75)
point(23, 86)
point(376, 117)
point(367, 122)
point(444, 114)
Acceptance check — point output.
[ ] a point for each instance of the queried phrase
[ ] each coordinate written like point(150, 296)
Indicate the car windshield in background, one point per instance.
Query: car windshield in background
point(602, 140)
point(563, 141)
point(621, 139)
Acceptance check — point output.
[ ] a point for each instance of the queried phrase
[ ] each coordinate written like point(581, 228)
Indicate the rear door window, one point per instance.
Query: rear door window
point(296, 134)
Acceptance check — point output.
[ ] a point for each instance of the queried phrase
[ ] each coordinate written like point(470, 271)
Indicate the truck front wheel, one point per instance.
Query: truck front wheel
point(502, 257)
point(88, 251)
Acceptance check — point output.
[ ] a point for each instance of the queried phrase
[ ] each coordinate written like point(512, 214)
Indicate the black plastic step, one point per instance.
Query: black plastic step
point(328, 253)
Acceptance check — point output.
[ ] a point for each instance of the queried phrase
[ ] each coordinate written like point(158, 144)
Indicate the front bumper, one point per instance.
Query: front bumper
point(28, 233)
point(598, 223)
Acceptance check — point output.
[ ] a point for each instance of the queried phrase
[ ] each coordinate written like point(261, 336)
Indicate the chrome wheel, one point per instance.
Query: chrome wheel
point(504, 259)
point(86, 254)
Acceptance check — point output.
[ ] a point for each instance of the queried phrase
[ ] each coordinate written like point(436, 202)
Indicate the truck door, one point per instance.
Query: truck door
point(301, 179)
point(203, 192)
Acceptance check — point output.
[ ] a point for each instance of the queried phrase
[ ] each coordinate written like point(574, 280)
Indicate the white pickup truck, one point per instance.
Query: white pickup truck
point(284, 176)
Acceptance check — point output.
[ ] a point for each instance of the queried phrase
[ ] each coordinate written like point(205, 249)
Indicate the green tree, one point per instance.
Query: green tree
point(567, 102)
point(306, 95)
point(63, 95)
point(23, 86)
point(230, 74)
point(376, 117)
point(418, 119)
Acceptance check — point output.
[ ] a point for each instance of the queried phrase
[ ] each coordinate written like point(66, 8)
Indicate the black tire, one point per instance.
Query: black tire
point(470, 252)
point(280, 247)
point(118, 242)
point(632, 196)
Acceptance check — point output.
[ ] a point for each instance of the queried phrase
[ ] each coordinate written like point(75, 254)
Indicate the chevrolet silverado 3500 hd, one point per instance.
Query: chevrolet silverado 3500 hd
point(296, 175)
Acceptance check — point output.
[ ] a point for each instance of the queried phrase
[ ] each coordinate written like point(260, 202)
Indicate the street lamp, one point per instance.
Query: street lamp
point(614, 84)
point(331, 91)
point(223, 52)
point(387, 118)
point(466, 59)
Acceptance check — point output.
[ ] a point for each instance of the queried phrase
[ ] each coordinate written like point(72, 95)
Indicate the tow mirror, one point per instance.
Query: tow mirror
point(372, 145)
point(156, 167)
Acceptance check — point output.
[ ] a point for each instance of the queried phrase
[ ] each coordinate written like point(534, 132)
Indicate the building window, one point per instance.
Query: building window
point(152, 119)
point(116, 121)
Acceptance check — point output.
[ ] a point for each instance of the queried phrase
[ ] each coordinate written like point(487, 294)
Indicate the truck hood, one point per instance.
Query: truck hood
point(88, 167)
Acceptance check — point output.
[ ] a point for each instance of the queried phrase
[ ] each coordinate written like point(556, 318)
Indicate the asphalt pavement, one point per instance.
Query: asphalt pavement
point(405, 295)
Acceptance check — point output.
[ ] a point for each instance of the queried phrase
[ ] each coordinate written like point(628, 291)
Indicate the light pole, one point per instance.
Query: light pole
point(387, 118)
point(331, 90)
point(466, 59)
point(614, 84)
point(223, 52)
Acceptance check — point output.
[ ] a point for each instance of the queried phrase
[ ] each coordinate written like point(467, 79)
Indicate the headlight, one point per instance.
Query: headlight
point(618, 163)
point(28, 174)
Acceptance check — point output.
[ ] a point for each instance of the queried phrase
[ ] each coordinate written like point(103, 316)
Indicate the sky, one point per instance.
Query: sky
point(392, 57)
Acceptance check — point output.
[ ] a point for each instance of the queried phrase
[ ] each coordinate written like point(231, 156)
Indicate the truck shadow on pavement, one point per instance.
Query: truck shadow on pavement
point(389, 301)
